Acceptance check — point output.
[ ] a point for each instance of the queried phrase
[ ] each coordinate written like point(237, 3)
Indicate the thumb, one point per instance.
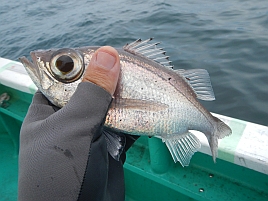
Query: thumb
point(104, 68)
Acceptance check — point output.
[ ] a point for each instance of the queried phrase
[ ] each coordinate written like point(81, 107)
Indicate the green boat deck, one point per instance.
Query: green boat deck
point(240, 173)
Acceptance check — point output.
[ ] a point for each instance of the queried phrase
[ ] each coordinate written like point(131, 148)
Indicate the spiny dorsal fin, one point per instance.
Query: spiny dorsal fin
point(149, 50)
point(200, 82)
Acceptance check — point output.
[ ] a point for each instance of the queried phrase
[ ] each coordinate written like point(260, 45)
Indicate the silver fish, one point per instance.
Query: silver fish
point(151, 98)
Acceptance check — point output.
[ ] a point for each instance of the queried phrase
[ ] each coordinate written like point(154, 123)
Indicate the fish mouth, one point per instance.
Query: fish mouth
point(31, 68)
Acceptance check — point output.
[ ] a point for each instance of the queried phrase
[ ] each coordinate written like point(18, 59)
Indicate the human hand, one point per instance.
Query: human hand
point(104, 68)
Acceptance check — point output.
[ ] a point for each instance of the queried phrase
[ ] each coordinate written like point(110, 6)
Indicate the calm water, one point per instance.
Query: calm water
point(228, 38)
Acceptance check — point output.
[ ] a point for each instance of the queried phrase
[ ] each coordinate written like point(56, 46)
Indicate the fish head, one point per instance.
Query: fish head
point(57, 72)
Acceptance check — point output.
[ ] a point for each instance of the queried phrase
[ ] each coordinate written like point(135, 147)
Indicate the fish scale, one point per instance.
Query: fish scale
point(151, 98)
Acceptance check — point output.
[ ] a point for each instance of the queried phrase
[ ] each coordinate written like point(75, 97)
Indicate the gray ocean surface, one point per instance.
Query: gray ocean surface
point(228, 38)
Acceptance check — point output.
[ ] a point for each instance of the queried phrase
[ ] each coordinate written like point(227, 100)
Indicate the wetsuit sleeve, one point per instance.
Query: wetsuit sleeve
point(62, 152)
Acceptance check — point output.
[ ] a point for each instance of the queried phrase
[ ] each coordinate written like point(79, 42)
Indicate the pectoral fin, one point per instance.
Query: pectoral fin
point(182, 147)
point(147, 105)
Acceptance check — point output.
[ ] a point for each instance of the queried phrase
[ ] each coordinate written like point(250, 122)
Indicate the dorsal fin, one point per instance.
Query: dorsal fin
point(200, 82)
point(149, 50)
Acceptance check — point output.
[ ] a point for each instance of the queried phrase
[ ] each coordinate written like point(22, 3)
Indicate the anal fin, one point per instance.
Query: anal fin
point(182, 147)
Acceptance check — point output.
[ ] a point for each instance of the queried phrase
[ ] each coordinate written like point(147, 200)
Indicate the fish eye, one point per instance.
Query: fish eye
point(66, 65)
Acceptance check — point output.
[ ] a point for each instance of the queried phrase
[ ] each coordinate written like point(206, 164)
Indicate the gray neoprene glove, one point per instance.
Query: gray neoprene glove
point(55, 146)
point(63, 152)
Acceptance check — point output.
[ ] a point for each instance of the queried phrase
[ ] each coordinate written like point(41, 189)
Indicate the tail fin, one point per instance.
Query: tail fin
point(220, 131)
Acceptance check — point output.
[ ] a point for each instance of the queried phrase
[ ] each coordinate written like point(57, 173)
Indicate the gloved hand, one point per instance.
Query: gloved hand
point(63, 154)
